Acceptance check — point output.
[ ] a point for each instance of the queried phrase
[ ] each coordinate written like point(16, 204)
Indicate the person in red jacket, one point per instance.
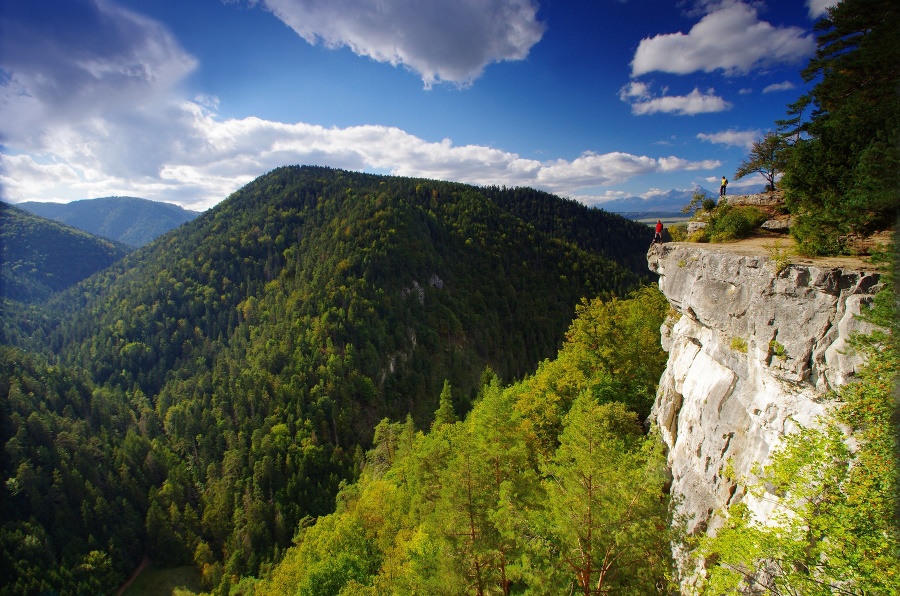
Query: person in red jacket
point(659, 229)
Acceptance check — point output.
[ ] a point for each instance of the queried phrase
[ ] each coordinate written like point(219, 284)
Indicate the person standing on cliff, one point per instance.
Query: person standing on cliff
point(722, 187)
point(658, 236)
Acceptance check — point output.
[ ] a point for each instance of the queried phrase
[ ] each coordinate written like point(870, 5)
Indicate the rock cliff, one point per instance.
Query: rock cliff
point(752, 353)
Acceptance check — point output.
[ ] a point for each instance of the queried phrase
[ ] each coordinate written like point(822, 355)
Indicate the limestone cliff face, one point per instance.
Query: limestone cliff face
point(752, 352)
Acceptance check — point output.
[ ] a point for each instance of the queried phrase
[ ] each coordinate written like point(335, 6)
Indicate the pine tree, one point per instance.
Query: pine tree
point(605, 517)
point(445, 413)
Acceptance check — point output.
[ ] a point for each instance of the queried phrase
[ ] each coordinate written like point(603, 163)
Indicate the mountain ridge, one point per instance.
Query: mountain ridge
point(40, 257)
point(130, 220)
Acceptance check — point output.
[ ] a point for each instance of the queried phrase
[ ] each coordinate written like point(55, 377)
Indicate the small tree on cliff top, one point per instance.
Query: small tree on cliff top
point(767, 157)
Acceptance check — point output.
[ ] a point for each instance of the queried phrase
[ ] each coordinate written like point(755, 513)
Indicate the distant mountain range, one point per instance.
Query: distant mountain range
point(665, 202)
point(130, 220)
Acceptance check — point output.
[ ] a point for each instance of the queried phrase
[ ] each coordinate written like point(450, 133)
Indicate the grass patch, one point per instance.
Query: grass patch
point(780, 255)
point(739, 344)
point(155, 581)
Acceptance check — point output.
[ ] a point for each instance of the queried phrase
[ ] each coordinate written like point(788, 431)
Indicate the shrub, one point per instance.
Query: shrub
point(698, 236)
point(678, 232)
point(733, 223)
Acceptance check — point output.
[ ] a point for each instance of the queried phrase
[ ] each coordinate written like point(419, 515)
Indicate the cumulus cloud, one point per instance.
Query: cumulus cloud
point(695, 102)
point(733, 138)
point(440, 41)
point(775, 87)
point(730, 38)
point(214, 157)
point(91, 58)
point(817, 8)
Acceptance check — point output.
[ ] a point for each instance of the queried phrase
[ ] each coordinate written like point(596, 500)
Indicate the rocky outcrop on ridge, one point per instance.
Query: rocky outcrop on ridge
point(753, 351)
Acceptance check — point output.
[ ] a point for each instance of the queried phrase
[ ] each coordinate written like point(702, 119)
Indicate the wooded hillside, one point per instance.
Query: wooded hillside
point(255, 349)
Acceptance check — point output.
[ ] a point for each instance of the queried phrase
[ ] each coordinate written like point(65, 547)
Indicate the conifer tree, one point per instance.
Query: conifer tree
point(842, 179)
point(605, 510)
point(445, 413)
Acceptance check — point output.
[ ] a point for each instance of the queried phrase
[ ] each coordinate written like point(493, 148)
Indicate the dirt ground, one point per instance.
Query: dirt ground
point(766, 243)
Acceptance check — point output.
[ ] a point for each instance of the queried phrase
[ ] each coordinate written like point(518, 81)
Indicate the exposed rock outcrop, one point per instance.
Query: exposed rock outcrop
point(752, 353)
point(763, 199)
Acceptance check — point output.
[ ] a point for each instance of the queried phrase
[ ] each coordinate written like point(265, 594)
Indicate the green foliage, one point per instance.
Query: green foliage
point(593, 230)
point(699, 200)
point(781, 256)
point(841, 175)
point(605, 514)
point(445, 413)
point(612, 351)
point(487, 505)
point(678, 232)
point(78, 464)
point(777, 348)
point(739, 344)
point(733, 223)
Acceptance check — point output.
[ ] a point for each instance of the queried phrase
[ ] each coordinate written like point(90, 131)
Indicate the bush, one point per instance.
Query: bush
point(819, 234)
point(733, 223)
point(698, 236)
point(678, 232)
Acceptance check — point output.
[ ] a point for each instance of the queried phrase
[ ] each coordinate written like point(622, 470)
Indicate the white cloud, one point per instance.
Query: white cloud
point(731, 38)
point(733, 138)
point(775, 87)
point(695, 102)
point(440, 41)
point(197, 160)
point(93, 58)
point(817, 8)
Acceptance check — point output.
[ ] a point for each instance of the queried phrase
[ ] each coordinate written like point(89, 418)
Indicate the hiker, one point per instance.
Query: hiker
point(658, 236)
point(722, 188)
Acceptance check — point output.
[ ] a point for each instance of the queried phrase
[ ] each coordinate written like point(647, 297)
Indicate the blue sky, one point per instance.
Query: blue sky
point(186, 102)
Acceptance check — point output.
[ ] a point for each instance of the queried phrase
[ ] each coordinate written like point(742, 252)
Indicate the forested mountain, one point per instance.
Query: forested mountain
point(594, 230)
point(255, 349)
point(39, 257)
point(129, 220)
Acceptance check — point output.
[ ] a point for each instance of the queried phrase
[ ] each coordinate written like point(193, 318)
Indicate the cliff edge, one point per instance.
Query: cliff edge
point(753, 351)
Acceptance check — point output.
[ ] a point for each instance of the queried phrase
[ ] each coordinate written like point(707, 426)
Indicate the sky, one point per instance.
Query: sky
point(187, 101)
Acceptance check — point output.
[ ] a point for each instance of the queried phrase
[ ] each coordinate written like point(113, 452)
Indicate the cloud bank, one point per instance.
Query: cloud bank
point(213, 158)
point(92, 105)
point(731, 38)
point(451, 41)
